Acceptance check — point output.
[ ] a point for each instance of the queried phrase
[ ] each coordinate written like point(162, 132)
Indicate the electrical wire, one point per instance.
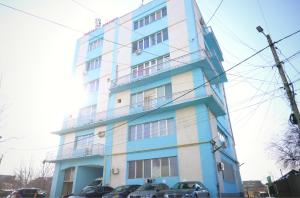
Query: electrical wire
point(169, 102)
point(85, 7)
point(214, 13)
point(244, 60)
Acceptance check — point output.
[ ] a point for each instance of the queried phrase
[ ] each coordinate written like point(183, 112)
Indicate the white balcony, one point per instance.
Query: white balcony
point(68, 152)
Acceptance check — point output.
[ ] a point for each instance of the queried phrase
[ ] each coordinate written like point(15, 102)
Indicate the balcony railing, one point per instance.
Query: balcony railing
point(167, 65)
point(145, 105)
point(68, 152)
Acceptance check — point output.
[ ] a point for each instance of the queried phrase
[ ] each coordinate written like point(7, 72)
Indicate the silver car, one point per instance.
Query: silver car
point(188, 189)
point(150, 190)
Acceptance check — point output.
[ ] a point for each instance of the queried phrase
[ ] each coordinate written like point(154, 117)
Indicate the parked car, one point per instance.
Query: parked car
point(93, 191)
point(28, 193)
point(121, 191)
point(96, 182)
point(193, 189)
point(149, 190)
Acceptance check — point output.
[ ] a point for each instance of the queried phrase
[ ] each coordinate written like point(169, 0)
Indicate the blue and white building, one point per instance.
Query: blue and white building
point(156, 105)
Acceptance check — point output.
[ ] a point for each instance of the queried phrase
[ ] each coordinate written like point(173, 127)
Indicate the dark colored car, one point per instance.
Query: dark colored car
point(27, 193)
point(149, 190)
point(121, 191)
point(93, 191)
point(193, 189)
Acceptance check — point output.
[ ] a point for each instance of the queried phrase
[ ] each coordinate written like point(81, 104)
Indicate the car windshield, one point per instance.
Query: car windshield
point(147, 187)
point(187, 185)
point(120, 189)
point(95, 183)
point(87, 189)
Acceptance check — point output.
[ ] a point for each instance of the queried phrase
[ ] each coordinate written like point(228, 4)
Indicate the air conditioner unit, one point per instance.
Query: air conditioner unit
point(101, 134)
point(115, 171)
point(149, 181)
point(224, 145)
point(221, 166)
point(138, 51)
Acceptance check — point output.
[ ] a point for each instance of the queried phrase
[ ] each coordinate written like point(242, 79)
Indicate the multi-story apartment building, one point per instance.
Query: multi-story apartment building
point(156, 105)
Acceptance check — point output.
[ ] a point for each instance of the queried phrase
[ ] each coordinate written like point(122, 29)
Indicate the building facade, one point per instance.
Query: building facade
point(156, 105)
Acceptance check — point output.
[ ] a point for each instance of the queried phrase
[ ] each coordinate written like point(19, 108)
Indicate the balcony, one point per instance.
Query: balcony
point(170, 67)
point(67, 152)
point(181, 100)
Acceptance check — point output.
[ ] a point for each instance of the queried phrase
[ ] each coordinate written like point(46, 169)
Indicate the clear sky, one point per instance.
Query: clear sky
point(37, 87)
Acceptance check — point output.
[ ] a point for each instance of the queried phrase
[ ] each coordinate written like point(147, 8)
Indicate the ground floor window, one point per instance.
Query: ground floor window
point(68, 181)
point(151, 168)
point(228, 173)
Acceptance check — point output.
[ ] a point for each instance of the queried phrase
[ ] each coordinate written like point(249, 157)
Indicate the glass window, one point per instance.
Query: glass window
point(84, 141)
point(134, 72)
point(133, 99)
point(153, 39)
point(146, 130)
point(154, 129)
point(140, 70)
point(146, 70)
point(156, 168)
point(158, 35)
point(146, 42)
point(168, 91)
point(141, 23)
point(228, 172)
point(139, 99)
point(131, 169)
point(134, 47)
point(164, 11)
point(135, 25)
point(147, 19)
point(152, 17)
point(173, 166)
point(165, 34)
point(153, 62)
point(164, 167)
point(163, 127)
point(139, 169)
point(160, 62)
point(132, 132)
point(139, 132)
point(147, 168)
point(158, 14)
point(141, 44)
point(171, 126)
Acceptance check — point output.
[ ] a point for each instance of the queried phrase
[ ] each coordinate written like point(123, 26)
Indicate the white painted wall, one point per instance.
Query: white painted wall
point(124, 53)
point(178, 32)
point(118, 157)
point(181, 83)
point(187, 133)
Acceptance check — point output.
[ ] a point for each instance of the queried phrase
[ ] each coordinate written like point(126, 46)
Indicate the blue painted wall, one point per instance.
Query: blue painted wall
point(84, 176)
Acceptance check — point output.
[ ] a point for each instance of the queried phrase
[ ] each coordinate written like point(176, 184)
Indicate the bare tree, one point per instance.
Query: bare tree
point(43, 179)
point(23, 175)
point(287, 148)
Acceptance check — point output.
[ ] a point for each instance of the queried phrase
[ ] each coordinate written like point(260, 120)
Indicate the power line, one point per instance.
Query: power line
point(212, 16)
point(42, 18)
point(169, 102)
point(85, 7)
point(222, 73)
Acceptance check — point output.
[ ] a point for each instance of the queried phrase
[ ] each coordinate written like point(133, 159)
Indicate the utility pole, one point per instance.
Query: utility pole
point(290, 93)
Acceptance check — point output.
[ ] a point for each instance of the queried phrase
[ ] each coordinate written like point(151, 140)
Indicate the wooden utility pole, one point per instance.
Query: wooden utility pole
point(289, 92)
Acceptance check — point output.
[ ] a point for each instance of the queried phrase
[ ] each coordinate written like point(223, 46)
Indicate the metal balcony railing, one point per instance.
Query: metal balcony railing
point(167, 65)
point(68, 152)
point(145, 105)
